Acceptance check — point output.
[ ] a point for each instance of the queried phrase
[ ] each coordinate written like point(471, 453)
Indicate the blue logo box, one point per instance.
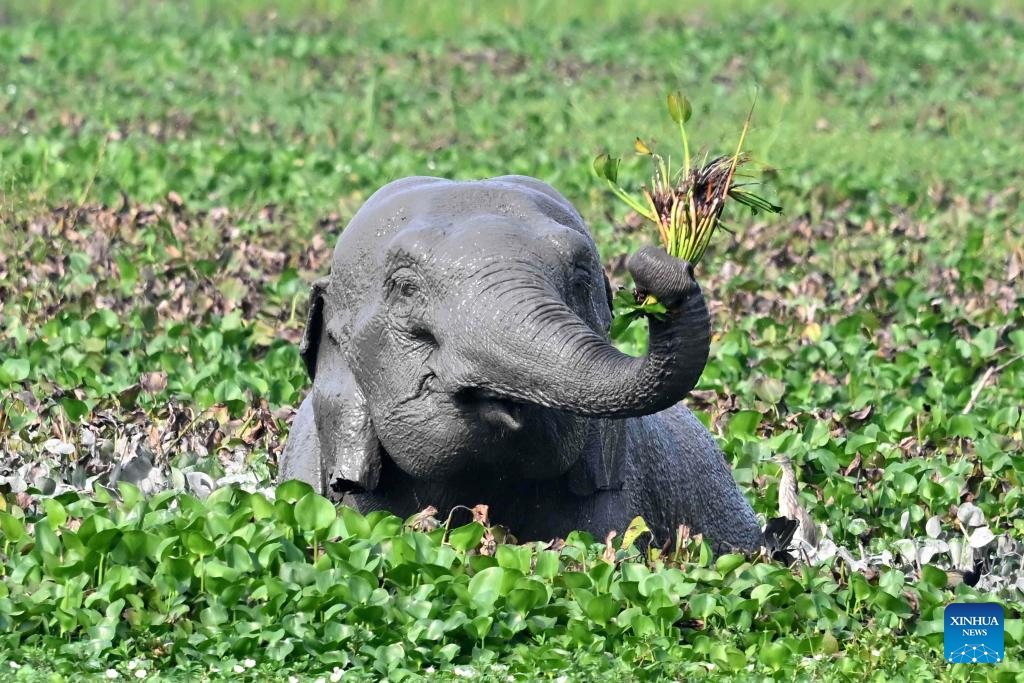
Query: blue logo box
point(973, 633)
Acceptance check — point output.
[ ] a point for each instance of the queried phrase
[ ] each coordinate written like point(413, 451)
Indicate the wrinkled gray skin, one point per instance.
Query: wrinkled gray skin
point(459, 354)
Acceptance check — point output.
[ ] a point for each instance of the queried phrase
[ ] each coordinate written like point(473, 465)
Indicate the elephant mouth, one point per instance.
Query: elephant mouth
point(494, 408)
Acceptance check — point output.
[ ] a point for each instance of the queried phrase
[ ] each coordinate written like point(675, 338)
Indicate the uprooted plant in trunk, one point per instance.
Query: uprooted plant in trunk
point(685, 205)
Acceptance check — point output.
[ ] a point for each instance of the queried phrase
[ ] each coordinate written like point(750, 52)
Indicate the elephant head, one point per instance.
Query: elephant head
point(464, 327)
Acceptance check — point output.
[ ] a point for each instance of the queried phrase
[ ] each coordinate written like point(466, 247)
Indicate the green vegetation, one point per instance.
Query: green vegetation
point(171, 182)
point(686, 205)
point(292, 584)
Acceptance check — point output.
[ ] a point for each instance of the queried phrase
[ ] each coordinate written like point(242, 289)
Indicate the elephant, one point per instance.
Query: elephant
point(459, 354)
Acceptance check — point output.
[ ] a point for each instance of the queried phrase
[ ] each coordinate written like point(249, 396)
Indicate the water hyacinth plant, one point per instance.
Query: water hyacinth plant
point(686, 206)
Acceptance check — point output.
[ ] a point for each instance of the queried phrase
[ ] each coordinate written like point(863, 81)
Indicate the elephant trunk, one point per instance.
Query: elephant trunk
point(551, 357)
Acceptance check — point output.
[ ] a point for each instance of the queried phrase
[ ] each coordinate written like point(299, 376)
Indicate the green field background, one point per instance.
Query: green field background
point(173, 176)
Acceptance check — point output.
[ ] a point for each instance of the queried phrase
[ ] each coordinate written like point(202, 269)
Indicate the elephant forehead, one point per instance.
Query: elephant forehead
point(495, 217)
point(417, 197)
point(504, 198)
point(486, 235)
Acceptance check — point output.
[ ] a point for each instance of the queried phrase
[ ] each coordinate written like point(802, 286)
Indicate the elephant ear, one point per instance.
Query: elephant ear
point(351, 450)
point(309, 348)
point(350, 454)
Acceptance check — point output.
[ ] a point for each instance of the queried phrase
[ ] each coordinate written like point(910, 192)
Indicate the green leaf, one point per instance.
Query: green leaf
point(466, 537)
point(861, 442)
point(702, 604)
point(547, 564)
point(485, 587)
point(611, 169)
point(905, 483)
point(621, 323)
point(753, 202)
point(643, 625)
point(46, 540)
point(933, 576)
point(219, 570)
point(355, 524)
point(390, 656)
point(14, 370)
point(480, 627)
point(898, 420)
point(523, 600)
point(1014, 628)
point(260, 506)
point(828, 644)
point(652, 307)
point(727, 563)
point(313, 512)
point(292, 491)
point(986, 340)
point(140, 544)
point(679, 107)
point(607, 167)
point(130, 494)
point(762, 592)
point(56, 514)
point(602, 608)
point(74, 408)
point(1017, 337)
point(514, 557)
point(214, 615)
point(12, 527)
point(637, 527)
point(199, 544)
point(744, 424)
point(769, 389)
point(774, 654)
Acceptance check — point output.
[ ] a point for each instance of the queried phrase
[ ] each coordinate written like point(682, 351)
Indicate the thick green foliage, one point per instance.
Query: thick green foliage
point(298, 585)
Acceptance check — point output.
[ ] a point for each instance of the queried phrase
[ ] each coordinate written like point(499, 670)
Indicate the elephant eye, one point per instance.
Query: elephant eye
point(403, 284)
point(581, 283)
